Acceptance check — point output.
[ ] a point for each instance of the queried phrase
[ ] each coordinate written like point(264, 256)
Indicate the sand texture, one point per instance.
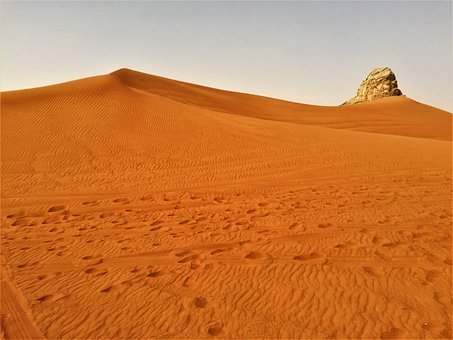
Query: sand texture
point(135, 206)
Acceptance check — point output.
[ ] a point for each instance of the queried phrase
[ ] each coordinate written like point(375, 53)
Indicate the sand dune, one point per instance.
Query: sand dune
point(136, 206)
point(393, 115)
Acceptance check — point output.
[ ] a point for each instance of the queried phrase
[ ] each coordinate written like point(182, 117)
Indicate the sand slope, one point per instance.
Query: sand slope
point(393, 115)
point(138, 206)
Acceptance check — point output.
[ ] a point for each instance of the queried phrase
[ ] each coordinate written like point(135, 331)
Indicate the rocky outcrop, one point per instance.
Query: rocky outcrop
point(381, 82)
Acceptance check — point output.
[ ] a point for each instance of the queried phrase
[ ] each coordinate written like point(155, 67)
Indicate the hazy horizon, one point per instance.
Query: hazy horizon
point(309, 52)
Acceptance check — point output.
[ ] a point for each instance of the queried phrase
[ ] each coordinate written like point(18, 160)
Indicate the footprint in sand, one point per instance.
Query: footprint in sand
point(147, 198)
point(121, 200)
point(345, 245)
point(421, 235)
point(308, 257)
point(51, 219)
point(91, 203)
point(187, 282)
point(108, 289)
point(154, 273)
point(219, 199)
point(217, 251)
point(51, 297)
point(215, 330)
point(107, 214)
point(432, 275)
point(292, 226)
point(56, 208)
point(373, 271)
point(393, 333)
point(91, 271)
point(121, 287)
point(254, 255)
point(189, 258)
point(383, 256)
point(90, 260)
point(14, 216)
point(200, 302)
point(183, 253)
point(21, 222)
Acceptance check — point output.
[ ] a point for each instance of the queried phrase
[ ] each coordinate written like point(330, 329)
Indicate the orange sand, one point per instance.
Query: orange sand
point(135, 206)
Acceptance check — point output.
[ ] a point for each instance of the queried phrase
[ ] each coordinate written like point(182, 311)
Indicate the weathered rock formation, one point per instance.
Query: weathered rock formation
point(381, 82)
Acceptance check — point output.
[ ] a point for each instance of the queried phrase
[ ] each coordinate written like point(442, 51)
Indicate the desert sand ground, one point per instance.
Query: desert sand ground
point(135, 206)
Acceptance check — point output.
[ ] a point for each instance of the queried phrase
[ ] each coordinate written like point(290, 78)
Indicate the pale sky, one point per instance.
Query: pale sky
point(308, 52)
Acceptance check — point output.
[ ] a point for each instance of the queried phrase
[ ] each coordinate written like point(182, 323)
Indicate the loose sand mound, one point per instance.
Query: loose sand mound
point(138, 206)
